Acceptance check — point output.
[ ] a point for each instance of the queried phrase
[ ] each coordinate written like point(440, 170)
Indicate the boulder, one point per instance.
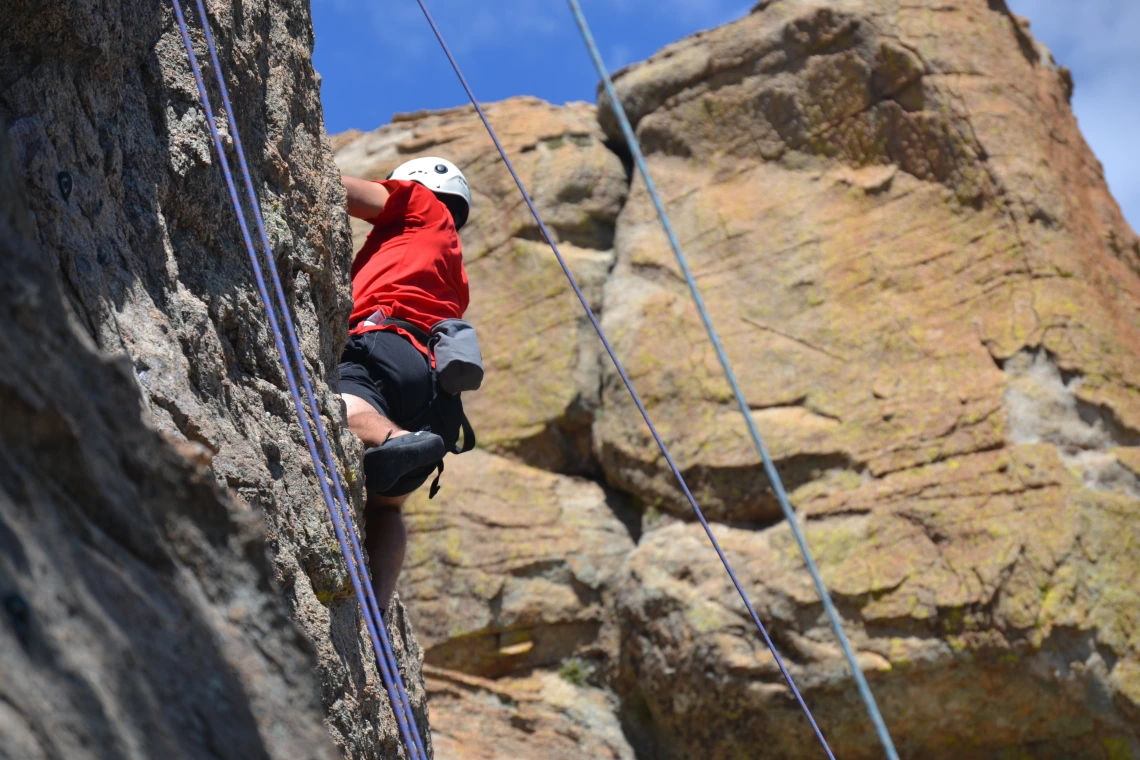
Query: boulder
point(510, 568)
point(988, 599)
point(544, 715)
point(158, 459)
point(882, 203)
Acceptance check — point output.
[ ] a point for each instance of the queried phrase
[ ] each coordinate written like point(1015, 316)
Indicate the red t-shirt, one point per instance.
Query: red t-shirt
point(411, 266)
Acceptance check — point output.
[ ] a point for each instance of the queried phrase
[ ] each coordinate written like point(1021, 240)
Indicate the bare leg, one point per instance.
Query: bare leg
point(370, 426)
point(385, 537)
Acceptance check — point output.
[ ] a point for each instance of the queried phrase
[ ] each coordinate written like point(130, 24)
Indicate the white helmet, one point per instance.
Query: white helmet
point(441, 177)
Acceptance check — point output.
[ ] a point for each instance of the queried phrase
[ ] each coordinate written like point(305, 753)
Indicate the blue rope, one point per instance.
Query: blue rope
point(327, 457)
point(373, 622)
point(769, 466)
point(628, 383)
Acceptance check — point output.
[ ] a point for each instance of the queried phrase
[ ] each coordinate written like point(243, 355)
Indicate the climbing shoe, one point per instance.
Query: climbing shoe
point(414, 480)
point(385, 465)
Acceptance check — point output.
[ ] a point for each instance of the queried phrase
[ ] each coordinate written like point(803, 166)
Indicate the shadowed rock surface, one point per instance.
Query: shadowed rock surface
point(152, 456)
point(931, 299)
point(139, 618)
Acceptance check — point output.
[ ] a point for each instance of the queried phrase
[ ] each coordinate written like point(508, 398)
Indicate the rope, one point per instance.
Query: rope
point(327, 457)
point(628, 383)
point(377, 633)
point(769, 467)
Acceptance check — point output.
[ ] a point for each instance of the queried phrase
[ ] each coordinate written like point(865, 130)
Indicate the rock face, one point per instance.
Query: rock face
point(139, 617)
point(915, 265)
point(151, 455)
point(932, 302)
point(518, 568)
point(890, 215)
point(540, 716)
point(931, 299)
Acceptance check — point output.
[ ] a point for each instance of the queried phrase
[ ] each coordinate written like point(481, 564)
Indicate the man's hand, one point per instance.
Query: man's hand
point(365, 199)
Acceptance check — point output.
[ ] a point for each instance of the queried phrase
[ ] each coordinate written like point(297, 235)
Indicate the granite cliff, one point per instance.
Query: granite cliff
point(172, 581)
point(915, 264)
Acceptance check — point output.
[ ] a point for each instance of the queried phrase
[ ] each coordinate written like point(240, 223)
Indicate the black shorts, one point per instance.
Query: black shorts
point(386, 370)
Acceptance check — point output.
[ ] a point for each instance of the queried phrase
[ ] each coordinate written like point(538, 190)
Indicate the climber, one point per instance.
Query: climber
point(409, 354)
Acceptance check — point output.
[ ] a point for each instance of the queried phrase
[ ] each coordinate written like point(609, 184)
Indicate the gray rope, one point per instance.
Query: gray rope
point(746, 411)
point(629, 386)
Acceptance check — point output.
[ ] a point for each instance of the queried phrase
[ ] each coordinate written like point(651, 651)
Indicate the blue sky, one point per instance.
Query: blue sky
point(378, 57)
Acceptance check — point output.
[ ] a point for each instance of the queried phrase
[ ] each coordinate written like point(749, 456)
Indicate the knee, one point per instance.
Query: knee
point(381, 504)
point(384, 520)
point(357, 411)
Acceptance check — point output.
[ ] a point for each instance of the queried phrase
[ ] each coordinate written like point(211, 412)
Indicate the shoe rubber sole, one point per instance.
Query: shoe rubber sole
point(384, 465)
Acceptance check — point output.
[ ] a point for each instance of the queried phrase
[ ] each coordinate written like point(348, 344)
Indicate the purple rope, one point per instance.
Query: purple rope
point(334, 514)
point(628, 384)
point(291, 335)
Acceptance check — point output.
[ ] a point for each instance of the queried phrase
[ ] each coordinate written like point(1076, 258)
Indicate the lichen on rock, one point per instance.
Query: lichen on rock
point(518, 570)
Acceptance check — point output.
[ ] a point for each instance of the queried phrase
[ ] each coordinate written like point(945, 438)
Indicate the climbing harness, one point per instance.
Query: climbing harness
point(769, 467)
point(455, 366)
point(325, 465)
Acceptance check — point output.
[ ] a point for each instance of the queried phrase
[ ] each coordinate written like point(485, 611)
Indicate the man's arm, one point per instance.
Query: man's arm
point(365, 199)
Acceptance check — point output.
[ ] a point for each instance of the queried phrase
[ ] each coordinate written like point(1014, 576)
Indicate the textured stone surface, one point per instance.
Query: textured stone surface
point(147, 255)
point(138, 617)
point(932, 302)
point(892, 197)
point(538, 716)
point(510, 567)
point(988, 599)
point(543, 378)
